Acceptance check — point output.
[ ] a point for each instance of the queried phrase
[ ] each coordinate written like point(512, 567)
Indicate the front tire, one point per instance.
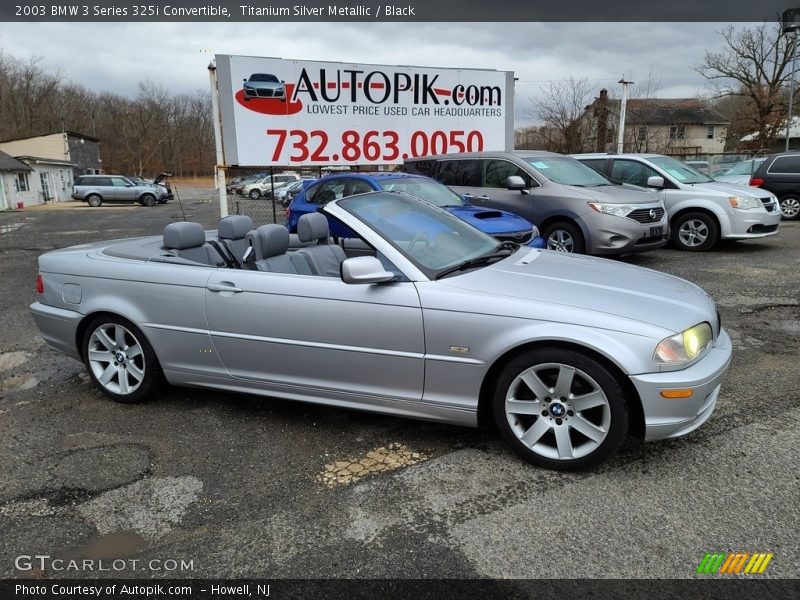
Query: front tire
point(790, 208)
point(94, 200)
point(564, 237)
point(560, 409)
point(120, 360)
point(148, 200)
point(255, 194)
point(695, 232)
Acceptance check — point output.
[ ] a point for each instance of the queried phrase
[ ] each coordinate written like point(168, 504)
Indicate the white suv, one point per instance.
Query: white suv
point(701, 211)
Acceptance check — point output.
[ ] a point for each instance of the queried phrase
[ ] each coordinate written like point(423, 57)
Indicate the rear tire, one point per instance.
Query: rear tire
point(94, 200)
point(148, 200)
point(560, 409)
point(695, 232)
point(790, 208)
point(563, 236)
point(120, 361)
point(255, 194)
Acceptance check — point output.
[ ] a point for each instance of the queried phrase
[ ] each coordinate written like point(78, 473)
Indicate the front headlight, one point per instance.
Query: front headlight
point(618, 210)
point(685, 346)
point(744, 202)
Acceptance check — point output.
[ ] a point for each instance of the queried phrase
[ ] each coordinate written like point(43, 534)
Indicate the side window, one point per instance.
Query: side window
point(460, 172)
point(118, 182)
point(421, 167)
point(630, 171)
point(497, 171)
point(326, 191)
point(357, 186)
point(100, 181)
point(785, 164)
point(598, 164)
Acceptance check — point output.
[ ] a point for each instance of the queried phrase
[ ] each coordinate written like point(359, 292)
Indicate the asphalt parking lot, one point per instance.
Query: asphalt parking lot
point(247, 487)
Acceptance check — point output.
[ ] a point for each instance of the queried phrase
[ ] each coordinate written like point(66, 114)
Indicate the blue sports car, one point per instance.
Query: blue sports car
point(502, 225)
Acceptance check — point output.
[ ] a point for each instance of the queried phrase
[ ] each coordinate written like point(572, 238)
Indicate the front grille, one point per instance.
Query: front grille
point(643, 215)
point(769, 204)
point(521, 237)
point(265, 93)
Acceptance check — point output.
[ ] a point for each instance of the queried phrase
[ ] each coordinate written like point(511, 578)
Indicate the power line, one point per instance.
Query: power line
point(563, 79)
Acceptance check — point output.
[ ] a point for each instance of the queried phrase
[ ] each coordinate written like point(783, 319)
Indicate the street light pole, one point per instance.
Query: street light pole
point(791, 22)
point(622, 106)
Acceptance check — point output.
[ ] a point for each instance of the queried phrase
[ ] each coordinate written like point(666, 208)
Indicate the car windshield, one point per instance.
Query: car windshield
point(431, 238)
point(746, 167)
point(680, 170)
point(567, 171)
point(427, 190)
point(264, 77)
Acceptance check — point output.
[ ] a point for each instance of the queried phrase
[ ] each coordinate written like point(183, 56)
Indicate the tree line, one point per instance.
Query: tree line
point(155, 131)
point(749, 81)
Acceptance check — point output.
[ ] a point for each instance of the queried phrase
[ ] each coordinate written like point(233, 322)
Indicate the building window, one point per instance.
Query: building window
point(22, 182)
point(642, 134)
point(677, 132)
point(710, 132)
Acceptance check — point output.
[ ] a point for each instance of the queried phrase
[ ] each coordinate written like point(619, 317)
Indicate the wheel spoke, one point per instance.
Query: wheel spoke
point(587, 401)
point(136, 372)
point(123, 381)
point(102, 337)
point(564, 382)
point(587, 428)
point(535, 384)
point(535, 432)
point(523, 407)
point(563, 443)
point(108, 374)
point(119, 336)
point(134, 351)
point(100, 356)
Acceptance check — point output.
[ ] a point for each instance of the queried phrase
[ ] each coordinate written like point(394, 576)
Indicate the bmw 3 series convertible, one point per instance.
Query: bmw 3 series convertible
point(425, 317)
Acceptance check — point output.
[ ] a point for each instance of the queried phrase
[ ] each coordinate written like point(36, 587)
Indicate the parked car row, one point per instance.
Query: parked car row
point(608, 203)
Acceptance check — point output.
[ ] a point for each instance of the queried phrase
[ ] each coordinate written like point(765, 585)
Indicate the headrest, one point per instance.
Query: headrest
point(234, 227)
point(183, 235)
point(272, 239)
point(311, 227)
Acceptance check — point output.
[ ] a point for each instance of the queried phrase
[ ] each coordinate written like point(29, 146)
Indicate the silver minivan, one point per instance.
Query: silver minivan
point(576, 209)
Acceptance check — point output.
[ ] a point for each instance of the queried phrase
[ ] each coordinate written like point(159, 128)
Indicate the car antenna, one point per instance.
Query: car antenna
point(178, 196)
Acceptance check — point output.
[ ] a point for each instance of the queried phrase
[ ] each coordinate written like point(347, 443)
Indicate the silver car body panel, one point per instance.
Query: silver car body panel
point(416, 347)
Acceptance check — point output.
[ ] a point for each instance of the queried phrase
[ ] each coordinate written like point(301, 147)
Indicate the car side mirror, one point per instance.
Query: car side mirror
point(364, 269)
point(655, 182)
point(515, 182)
point(245, 79)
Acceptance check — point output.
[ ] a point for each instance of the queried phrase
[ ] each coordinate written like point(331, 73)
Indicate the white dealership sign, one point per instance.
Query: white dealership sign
point(278, 112)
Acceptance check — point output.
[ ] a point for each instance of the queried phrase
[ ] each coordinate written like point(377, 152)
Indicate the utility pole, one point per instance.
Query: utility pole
point(219, 170)
point(791, 23)
point(622, 106)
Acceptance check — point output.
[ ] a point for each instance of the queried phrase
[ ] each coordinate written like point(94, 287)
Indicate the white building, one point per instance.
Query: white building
point(15, 182)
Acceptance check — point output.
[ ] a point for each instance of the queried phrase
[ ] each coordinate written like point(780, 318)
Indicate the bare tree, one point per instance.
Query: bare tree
point(560, 107)
point(754, 65)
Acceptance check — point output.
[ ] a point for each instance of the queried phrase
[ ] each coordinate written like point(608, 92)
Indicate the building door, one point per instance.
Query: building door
point(47, 188)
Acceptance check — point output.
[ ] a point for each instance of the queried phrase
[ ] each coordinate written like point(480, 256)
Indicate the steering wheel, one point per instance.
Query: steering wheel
point(421, 236)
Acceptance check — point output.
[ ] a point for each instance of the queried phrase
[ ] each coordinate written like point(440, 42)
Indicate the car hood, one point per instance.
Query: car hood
point(616, 194)
point(732, 189)
point(489, 220)
point(595, 284)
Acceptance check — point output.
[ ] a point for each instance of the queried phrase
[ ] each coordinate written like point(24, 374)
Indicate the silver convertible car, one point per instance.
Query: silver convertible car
point(424, 316)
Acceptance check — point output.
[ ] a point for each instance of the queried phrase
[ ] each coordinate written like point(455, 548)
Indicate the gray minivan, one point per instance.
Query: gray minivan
point(576, 208)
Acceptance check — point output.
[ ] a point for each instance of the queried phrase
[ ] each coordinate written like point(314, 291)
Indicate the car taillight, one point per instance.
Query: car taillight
point(39, 284)
point(756, 181)
point(288, 212)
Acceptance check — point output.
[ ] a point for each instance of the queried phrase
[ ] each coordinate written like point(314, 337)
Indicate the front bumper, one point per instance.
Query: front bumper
point(58, 327)
point(609, 234)
point(747, 224)
point(668, 418)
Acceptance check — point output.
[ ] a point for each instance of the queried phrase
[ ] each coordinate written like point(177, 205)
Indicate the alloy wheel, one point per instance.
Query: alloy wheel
point(693, 232)
point(561, 241)
point(790, 207)
point(116, 359)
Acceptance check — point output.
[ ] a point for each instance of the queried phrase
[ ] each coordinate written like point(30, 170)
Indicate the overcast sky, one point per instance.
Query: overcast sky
point(115, 56)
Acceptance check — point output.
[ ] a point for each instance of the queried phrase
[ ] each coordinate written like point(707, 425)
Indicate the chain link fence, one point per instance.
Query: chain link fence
point(717, 163)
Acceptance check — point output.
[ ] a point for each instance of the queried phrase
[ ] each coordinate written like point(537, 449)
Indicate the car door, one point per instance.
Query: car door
point(312, 334)
point(494, 194)
point(123, 189)
point(635, 172)
point(462, 175)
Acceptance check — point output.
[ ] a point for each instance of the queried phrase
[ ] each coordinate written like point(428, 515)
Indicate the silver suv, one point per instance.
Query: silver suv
point(265, 185)
point(97, 189)
point(701, 210)
point(576, 209)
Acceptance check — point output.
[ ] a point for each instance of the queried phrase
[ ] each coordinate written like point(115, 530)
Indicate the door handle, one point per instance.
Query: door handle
point(224, 286)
